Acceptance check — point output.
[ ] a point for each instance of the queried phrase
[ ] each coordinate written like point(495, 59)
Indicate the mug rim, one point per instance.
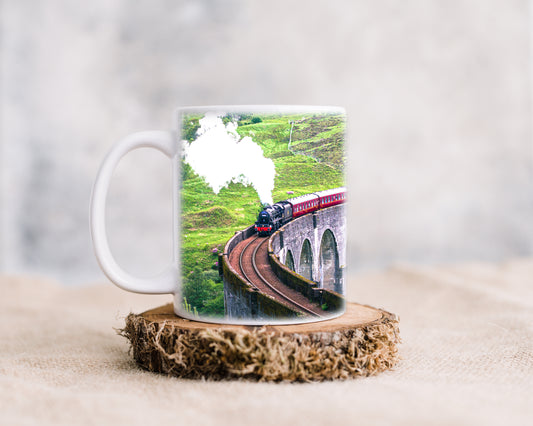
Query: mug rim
point(281, 108)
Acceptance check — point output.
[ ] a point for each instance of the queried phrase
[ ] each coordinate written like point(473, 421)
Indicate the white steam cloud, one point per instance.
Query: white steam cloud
point(220, 156)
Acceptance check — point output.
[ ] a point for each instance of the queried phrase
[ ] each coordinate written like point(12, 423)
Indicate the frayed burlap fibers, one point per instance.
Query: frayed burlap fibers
point(362, 342)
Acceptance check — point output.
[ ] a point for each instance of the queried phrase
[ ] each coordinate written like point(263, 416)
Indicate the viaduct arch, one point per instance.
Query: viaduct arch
point(314, 246)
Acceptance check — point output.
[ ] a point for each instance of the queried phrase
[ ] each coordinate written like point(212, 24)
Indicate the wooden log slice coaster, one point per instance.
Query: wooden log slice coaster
point(362, 342)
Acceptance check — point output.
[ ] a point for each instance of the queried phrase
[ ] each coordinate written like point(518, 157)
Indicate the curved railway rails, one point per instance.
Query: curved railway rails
point(248, 267)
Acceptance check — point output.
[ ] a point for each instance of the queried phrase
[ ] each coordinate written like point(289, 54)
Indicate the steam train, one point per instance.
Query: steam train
point(275, 216)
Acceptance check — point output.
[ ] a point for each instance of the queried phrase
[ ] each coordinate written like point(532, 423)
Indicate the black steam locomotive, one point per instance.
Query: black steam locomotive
point(274, 217)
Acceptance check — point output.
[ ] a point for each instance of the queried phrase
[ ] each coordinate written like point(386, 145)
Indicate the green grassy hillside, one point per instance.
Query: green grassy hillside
point(313, 162)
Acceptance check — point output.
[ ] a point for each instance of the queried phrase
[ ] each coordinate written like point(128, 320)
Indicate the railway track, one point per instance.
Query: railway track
point(252, 276)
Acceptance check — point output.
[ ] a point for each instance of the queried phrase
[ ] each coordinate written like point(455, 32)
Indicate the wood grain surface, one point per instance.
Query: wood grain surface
point(356, 315)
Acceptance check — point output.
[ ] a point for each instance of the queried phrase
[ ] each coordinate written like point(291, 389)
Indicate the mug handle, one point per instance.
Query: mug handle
point(166, 281)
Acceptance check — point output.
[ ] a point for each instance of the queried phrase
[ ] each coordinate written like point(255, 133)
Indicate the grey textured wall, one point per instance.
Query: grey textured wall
point(437, 93)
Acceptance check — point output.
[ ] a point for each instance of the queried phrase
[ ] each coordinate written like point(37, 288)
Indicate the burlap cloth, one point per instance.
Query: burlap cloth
point(467, 358)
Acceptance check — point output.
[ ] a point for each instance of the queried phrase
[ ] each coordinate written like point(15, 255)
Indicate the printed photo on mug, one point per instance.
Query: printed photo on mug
point(261, 213)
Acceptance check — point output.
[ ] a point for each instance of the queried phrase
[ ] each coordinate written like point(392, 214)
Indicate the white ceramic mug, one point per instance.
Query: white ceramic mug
point(259, 226)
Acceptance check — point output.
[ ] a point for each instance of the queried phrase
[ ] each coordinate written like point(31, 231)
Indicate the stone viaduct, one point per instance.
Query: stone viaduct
point(308, 254)
point(314, 246)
